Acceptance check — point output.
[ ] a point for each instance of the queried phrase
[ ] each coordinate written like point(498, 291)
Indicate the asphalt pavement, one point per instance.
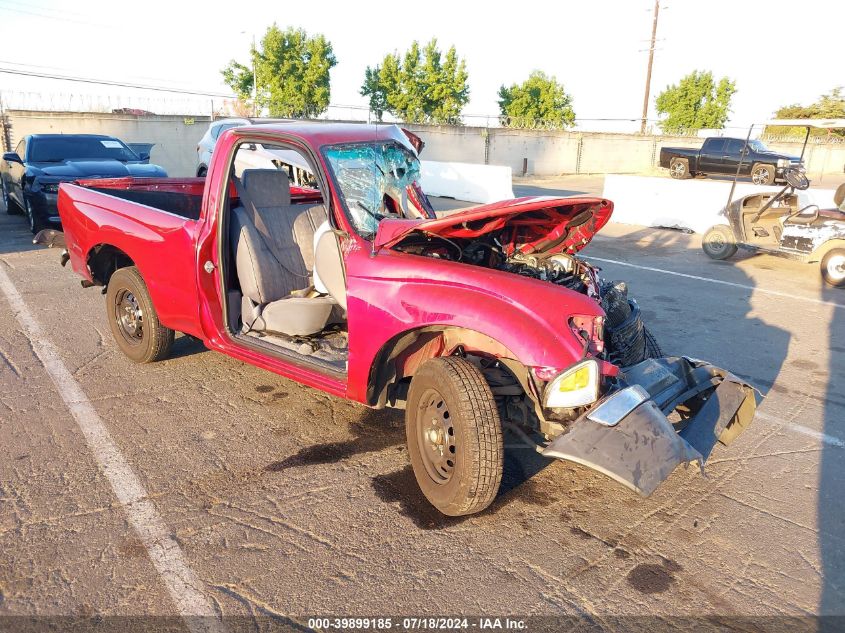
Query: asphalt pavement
point(266, 498)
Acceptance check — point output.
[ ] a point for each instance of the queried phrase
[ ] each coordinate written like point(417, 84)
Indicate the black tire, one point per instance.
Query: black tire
point(11, 206)
point(762, 174)
point(36, 224)
point(833, 268)
point(719, 242)
point(652, 347)
point(133, 320)
point(679, 169)
point(454, 436)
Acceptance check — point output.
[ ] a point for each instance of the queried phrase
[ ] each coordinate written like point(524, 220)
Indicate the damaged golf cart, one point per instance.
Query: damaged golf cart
point(482, 321)
point(779, 223)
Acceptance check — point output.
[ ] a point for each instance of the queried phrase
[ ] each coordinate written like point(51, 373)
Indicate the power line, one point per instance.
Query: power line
point(59, 18)
point(106, 82)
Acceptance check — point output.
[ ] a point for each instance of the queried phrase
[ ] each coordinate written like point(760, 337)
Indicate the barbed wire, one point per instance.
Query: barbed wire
point(216, 107)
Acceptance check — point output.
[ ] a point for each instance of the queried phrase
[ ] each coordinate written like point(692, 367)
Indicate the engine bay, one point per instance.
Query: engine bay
point(625, 337)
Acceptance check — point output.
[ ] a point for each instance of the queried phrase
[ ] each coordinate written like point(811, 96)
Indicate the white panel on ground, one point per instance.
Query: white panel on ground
point(464, 181)
point(685, 204)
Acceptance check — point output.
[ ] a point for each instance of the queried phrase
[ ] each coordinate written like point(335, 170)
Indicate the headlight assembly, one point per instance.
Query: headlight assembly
point(578, 386)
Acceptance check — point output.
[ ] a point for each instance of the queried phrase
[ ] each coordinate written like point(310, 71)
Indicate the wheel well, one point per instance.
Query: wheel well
point(103, 260)
point(818, 254)
point(398, 359)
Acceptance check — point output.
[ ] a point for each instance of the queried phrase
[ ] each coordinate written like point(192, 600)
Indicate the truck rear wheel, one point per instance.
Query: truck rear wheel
point(679, 169)
point(454, 436)
point(833, 268)
point(762, 174)
point(719, 242)
point(133, 320)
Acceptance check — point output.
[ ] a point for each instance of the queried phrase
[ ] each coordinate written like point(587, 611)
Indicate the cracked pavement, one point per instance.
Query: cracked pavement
point(290, 502)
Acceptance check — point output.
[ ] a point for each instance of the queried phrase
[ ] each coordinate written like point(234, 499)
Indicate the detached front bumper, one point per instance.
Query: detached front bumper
point(665, 412)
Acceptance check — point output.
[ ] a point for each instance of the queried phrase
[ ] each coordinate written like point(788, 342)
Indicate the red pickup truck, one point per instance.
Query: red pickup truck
point(481, 323)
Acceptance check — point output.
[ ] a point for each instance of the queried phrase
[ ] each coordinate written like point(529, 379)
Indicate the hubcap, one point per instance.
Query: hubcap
point(129, 317)
point(760, 176)
point(678, 169)
point(436, 437)
point(836, 267)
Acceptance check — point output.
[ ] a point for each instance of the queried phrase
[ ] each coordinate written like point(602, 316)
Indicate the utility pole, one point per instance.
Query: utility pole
point(650, 62)
point(255, 80)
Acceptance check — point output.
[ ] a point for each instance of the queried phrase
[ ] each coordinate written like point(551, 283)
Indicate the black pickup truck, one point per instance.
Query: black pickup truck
point(721, 155)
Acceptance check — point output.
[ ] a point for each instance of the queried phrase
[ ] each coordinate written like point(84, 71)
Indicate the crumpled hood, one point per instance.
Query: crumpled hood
point(535, 223)
point(97, 168)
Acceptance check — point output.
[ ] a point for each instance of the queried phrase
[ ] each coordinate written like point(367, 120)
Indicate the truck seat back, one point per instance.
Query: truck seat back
point(274, 257)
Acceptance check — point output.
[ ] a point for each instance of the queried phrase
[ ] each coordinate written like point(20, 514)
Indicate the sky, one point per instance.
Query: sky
point(778, 52)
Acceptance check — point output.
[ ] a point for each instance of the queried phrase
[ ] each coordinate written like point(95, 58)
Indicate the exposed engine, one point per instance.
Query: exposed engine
point(626, 339)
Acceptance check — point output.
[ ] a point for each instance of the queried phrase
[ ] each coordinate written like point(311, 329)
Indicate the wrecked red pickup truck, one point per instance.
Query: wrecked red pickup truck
point(480, 323)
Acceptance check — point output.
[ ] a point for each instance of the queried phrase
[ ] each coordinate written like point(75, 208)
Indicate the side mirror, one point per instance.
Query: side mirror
point(250, 146)
point(12, 157)
point(144, 156)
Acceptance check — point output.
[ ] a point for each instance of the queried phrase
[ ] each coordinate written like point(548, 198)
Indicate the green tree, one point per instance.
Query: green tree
point(539, 100)
point(696, 102)
point(422, 86)
point(829, 106)
point(292, 71)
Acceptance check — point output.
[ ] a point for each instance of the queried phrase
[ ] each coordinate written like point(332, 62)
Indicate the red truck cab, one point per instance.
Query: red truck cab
point(478, 323)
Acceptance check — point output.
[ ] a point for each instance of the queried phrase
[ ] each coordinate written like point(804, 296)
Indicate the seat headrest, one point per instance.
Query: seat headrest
point(267, 187)
point(839, 196)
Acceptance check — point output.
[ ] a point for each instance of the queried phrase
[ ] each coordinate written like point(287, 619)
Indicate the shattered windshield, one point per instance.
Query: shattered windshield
point(374, 181)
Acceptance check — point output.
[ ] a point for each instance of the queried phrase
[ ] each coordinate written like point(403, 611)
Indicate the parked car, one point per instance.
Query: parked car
point(205, 147)
point(777, 224)
point(254, 156)
point(30, 176)
point(721, 156)
point(477, 323)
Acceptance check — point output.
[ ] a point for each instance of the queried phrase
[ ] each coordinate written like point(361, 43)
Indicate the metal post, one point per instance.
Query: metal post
point(650, 62)
point(254, 80)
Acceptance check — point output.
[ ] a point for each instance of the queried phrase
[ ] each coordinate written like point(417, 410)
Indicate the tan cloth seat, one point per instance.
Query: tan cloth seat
point(274, 257)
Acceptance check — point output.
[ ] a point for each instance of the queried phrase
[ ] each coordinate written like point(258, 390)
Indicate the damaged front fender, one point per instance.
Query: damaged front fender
point(629, 435)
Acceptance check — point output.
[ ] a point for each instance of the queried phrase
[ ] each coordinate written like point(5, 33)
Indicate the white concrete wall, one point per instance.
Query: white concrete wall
point(549, 153)
point(464, 181)
point(685, 204)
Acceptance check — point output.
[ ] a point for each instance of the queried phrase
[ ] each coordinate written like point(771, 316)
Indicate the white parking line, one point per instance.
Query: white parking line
point(824, 438)
point(719, 281)
point(164, 552)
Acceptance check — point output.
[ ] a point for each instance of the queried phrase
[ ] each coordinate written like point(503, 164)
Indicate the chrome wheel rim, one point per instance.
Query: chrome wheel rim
point(717, 242)
point(678, 169)
point(836, 268)
point(436, 437)
point(760, 176)
point(129, 317)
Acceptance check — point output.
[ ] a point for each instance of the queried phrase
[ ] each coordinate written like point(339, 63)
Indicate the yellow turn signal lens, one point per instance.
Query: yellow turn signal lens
point(578, 379)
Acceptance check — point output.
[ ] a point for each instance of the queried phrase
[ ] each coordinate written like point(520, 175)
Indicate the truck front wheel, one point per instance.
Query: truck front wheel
point(454, 436)
point(133, 320)
point(762, 174)
point(679, 169)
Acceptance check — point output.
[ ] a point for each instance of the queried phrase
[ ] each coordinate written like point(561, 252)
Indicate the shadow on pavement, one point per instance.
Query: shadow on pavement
point(831, 502)
point(15, 236)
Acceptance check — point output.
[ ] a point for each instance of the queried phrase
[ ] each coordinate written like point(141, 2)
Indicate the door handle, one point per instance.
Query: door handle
point(208, 267)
